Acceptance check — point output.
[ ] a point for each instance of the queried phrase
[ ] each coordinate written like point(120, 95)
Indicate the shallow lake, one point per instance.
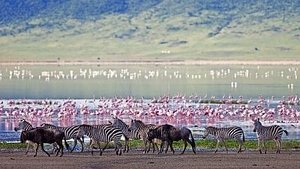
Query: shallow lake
point(58, 83)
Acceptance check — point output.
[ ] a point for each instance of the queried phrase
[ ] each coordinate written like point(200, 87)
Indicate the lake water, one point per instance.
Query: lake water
point(101, 112)
point(77, 82)
point(84, 84)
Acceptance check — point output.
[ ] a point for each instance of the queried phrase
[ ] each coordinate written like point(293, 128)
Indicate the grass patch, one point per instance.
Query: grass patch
point(231, 144)
point(206, 144)
point(5, 145)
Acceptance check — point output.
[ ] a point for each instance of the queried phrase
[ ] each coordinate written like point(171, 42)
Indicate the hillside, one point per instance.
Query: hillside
point(51, 30)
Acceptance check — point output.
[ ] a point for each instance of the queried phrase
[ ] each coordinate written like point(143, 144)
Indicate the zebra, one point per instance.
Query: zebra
point(71, 132)
point(139, 130)
point(264, 133)
point(226, 133)
point(118, 123)
point(24, 125)
point(103, 133)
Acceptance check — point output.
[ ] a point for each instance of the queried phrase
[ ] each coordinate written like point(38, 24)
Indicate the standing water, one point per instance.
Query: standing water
point(178, 111)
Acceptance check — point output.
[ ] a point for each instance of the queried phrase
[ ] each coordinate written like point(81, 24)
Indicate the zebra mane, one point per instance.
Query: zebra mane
point(139, 123)
point(210, 127)
point(211, 130)
point(48, 125)
point(24, 121)
point(86, 125)
point(257, 122)
point(117, 120)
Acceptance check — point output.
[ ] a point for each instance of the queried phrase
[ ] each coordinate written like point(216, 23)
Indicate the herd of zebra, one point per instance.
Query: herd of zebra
point(117, 129)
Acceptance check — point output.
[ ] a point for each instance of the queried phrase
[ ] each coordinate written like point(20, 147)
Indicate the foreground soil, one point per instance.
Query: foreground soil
point(135, 159)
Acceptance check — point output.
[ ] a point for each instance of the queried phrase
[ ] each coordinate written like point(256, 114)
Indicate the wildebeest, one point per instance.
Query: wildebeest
point(41, 135)
point(24, 125)
point(168, 133)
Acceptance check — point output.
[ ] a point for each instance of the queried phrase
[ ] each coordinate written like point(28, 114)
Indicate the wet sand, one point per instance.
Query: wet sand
point(138, 160)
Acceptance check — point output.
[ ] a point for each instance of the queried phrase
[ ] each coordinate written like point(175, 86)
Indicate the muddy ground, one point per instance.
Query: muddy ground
point(136, 159)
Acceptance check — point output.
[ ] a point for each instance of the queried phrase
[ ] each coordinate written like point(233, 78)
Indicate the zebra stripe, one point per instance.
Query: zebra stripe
point(139, 130)
point(268, 133)
point(221, 134)
point(118, 123)
point(103, 133)
point(71, 132)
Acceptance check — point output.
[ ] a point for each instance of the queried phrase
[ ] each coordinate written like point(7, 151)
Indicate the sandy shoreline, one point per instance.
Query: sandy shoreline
point(183, 62)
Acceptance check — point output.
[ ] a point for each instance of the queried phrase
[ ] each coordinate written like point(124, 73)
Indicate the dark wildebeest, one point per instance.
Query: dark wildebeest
point(41, 135)
point(168, 133)
point(24, 125)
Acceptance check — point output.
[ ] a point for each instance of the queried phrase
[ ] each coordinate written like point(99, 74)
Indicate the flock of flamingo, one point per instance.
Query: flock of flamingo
point(17, 72)
point(176, 110)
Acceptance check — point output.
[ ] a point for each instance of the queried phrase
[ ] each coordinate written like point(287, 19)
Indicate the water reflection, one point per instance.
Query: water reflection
point(96, 81)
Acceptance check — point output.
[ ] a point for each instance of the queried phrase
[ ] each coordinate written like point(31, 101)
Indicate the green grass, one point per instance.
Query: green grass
point(206, 144)
point(5, 145)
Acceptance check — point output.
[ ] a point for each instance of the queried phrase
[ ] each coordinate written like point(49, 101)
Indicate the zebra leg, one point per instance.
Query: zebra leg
point(126, 149)
point(54, 148)
point(278, 145)
point(276, 142)
point(185, 144)
point(75, 144)
point(42, 146)
point(240, 142)
point(58, 150)
point(101, 150)
point(82, 145)
point(145, 145)
point(264, 143)
point(225, 146)
point(118, 148)
point(259, 145)
point(150, 143)
point(217, 146)
point(92, 142)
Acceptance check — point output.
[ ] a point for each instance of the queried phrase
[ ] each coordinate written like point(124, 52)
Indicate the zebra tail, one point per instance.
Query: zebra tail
point(243, 137)
point(286, 132)
point(82, 139)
